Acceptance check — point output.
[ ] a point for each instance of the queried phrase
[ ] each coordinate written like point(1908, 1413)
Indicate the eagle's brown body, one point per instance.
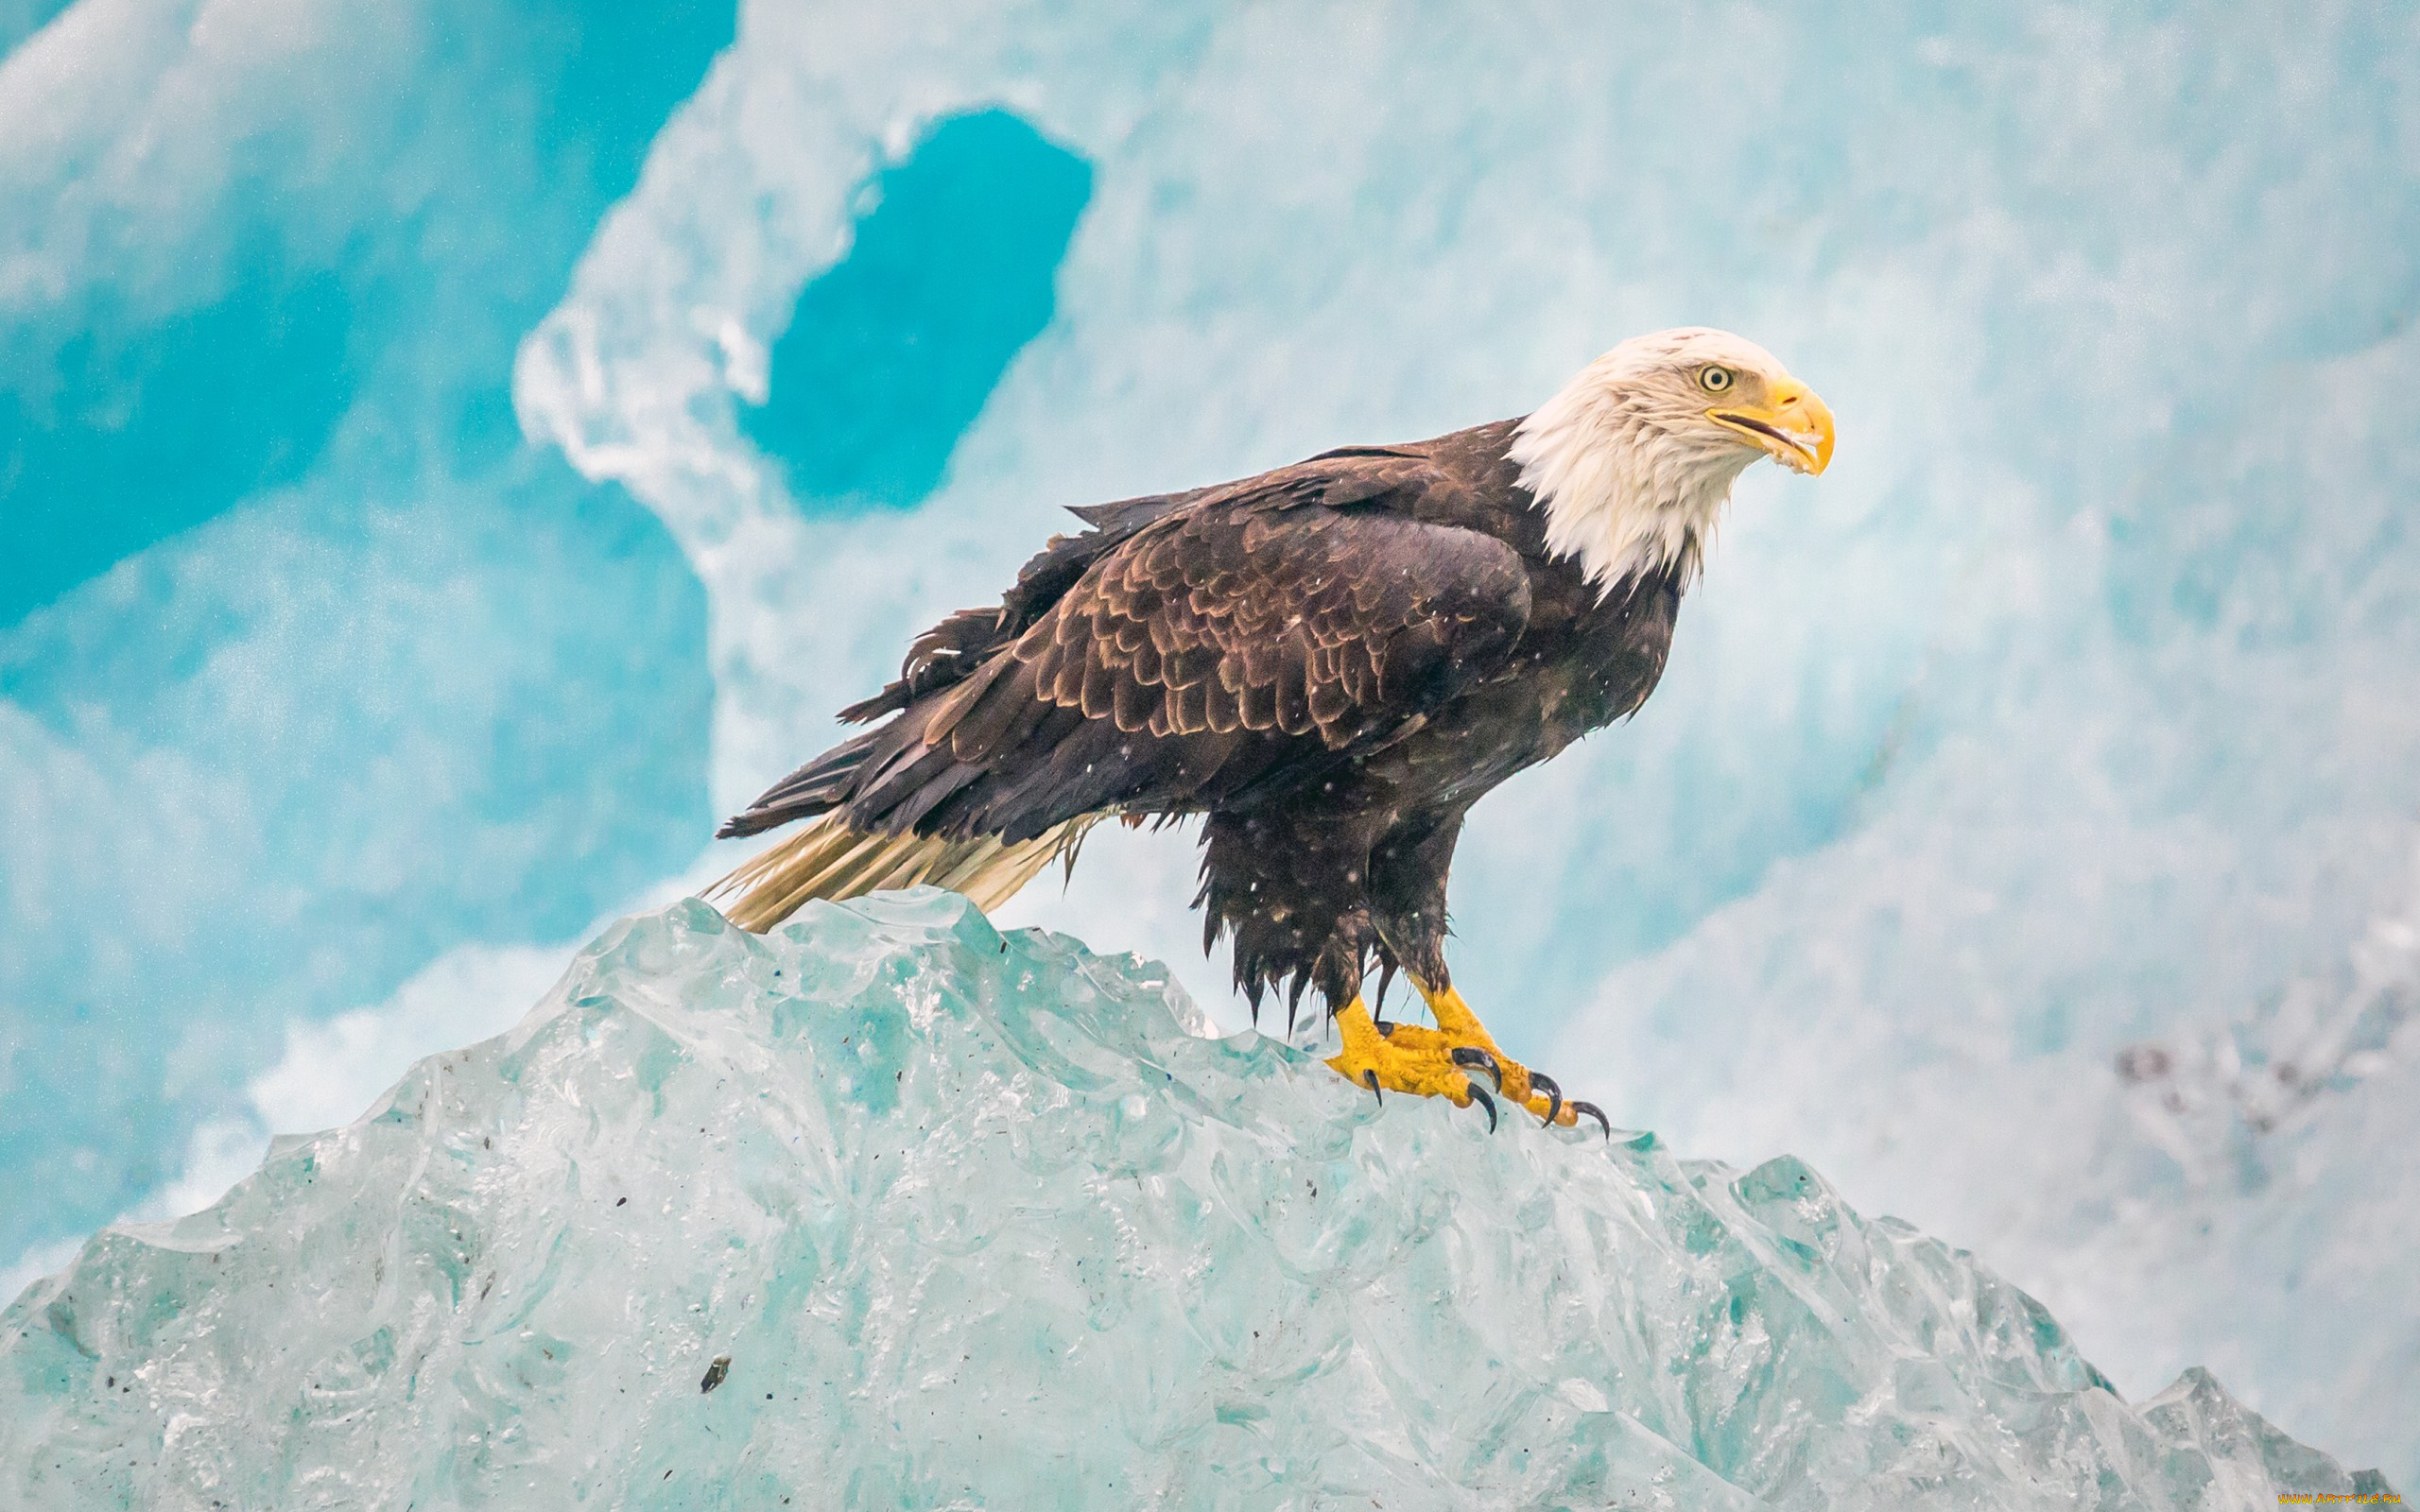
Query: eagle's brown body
point(1330, 663)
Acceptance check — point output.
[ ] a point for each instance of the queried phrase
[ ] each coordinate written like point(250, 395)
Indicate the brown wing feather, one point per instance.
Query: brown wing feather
point(961, 643)
point(1265, 614)
point(1184, 648)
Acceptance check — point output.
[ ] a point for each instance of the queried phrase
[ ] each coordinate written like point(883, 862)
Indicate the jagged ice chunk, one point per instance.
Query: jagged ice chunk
point(890, 1209)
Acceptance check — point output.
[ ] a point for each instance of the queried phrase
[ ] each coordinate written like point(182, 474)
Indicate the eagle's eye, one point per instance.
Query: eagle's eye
point(1714, 379)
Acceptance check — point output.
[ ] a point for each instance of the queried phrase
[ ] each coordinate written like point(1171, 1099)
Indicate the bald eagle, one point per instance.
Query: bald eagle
point(1328, 664)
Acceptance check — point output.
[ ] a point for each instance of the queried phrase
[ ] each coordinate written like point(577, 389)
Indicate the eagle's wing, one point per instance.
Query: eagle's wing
point(1276, 624)
point(960, 644)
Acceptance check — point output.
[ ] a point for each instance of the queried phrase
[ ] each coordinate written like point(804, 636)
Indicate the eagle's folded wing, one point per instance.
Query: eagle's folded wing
point(1310, 613)
point(1275, 616)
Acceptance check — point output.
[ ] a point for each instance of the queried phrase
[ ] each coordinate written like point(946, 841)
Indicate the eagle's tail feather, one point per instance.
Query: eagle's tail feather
point(831, 861)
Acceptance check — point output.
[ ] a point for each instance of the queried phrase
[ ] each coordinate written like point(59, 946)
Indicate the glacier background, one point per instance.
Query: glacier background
point(438, 488)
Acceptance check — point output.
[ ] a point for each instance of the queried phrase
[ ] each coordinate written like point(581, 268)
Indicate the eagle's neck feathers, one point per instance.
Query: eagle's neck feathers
point(1626, 492)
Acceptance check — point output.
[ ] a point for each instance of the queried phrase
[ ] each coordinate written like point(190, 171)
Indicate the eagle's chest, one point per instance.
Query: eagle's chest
point(1592, 660)
point(1581, 665)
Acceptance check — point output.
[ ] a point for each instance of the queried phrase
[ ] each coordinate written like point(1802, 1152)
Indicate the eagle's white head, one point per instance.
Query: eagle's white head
point(1633, 460)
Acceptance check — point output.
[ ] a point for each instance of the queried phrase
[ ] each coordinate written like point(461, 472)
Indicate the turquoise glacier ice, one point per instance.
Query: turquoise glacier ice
point(893, 1209)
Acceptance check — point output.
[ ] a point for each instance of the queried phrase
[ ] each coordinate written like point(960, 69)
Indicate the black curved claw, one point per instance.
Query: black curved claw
point(1596, 1113)
point(1370, 1079)
point(1474, 1056)
point(1480, 1094)
point(1545, 1083)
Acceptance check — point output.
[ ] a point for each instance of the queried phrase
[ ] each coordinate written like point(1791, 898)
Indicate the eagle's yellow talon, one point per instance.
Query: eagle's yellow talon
point(1485, 1101)
point(1474, 1056)
point(1554, 1096)
point(1445, 1062)
point(1411, 1060)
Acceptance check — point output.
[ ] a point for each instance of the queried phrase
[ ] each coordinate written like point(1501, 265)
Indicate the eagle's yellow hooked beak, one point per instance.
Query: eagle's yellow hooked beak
point(1793, 427)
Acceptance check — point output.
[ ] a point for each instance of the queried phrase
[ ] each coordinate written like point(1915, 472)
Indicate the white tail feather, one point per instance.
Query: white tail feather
point(830, 861)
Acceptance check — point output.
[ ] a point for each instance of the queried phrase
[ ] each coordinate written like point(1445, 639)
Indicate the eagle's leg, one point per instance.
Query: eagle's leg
point(1407, 910)
point(1371, 1056)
